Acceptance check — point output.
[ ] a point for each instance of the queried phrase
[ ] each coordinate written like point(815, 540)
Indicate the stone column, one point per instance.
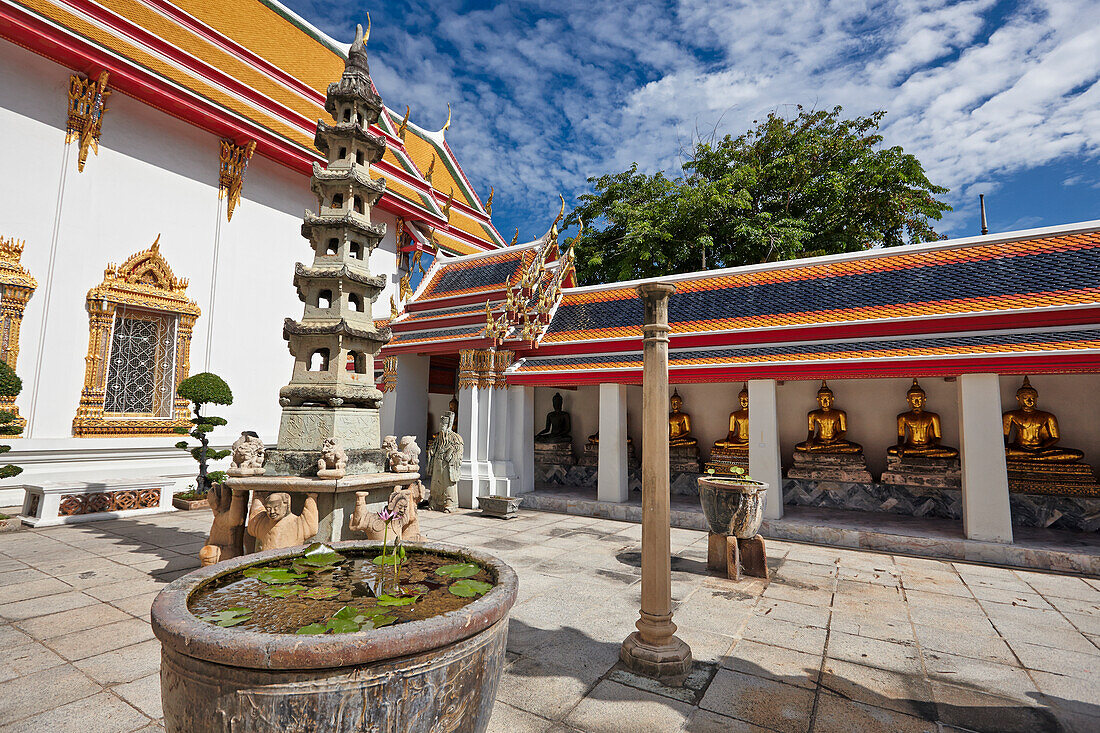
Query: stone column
point(986, 512)
point(469, 427)
point(521, 428)
point(500, 452)
point(765, 462)
point(653, 650)
point(613, 482)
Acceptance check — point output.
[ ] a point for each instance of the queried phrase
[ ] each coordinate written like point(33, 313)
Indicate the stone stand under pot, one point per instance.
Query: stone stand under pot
point(734, 509)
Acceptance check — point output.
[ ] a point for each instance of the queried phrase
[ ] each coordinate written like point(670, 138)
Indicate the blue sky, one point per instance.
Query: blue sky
point(995, 97)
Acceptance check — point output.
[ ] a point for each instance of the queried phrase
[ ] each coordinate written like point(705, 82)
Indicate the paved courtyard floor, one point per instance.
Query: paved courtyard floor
point(838, 640)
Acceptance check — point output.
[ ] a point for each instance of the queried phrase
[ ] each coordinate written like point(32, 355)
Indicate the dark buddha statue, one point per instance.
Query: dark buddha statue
point(559, 426)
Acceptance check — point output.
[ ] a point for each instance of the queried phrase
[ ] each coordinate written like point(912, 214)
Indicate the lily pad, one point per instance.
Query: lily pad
point(320, 555)
point(228, 617)
point(415, 589)
point(320, 594)
point(460, 570)
point(279, 576)
point(467, 588)
point(284, 591)
point(342, 626)
point(318, 628)
point(388, 600)
point(253, 572)
point(377, 622)
point(388, 560)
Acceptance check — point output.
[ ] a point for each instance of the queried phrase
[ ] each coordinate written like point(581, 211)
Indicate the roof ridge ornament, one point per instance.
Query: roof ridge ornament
point(447, 124)
point(489, 203)
point(404, 124)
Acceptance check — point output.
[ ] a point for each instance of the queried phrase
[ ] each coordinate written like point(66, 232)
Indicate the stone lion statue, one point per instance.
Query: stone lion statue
point(333, 461)
point(403, 457)
point(248, 455)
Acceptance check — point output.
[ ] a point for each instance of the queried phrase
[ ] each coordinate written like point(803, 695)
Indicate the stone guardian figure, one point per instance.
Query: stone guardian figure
point(275, 526)
point(444, 463)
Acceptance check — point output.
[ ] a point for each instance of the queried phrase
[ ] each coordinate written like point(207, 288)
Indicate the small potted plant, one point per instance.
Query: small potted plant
point(733, 504)
point(191, 499)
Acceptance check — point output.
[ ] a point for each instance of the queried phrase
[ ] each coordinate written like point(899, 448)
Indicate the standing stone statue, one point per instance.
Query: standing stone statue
point(444, 462)
point(274, 525)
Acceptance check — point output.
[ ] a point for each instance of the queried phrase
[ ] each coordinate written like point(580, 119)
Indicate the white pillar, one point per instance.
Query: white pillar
point(612, 477)
point(521, 429)
point(470, 422)
point(765, 463)
point(405, 410)
point(986, 512)
point(500, 450)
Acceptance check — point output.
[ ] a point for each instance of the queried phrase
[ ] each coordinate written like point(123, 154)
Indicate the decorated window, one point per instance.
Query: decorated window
point(140, 323)
point(16, 288)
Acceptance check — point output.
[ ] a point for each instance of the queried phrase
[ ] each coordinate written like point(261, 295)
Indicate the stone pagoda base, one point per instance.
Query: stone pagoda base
point(931, 473)
point(554, 453)
point(306, 428)
point(591, 456)
point(1052, 479)
point(684, 458)
point(722, 462)
point(843, 467)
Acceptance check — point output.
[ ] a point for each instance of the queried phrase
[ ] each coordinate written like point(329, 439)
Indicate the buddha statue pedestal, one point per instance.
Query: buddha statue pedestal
point(554, 453)
point(930, 473)
point(722, 462)
point(820, 466)
point(684, 459)
point(1051, 479)
point(590, 458)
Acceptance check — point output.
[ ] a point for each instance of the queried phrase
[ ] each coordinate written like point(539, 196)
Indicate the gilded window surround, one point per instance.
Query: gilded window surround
point(144, 281)
point(17, 286)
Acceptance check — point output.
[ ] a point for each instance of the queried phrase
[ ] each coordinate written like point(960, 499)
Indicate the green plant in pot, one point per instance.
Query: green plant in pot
point(204, 389)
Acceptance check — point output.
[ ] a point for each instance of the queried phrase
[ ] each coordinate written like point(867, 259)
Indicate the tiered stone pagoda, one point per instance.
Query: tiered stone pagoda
point(332, 393)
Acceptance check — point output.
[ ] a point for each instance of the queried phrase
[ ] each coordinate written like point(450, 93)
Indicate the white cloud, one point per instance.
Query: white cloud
point(547, 93)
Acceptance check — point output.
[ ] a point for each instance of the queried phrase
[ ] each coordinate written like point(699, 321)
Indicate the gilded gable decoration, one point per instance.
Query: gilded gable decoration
point(233, 163)
point(404, 124)
point(87, 104)
point(16, 288)
point(489, 202)
point(139, 342)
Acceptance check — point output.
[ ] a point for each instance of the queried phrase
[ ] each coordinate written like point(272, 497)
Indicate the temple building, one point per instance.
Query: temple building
point(157, 163)
point(160, 158)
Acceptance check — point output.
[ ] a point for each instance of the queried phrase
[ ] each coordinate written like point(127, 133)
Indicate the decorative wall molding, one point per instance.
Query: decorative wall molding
point(16, 288)
point(143, 287)
point(483, 368)
point(87, 105)
point(389, 374)
point(233, 161)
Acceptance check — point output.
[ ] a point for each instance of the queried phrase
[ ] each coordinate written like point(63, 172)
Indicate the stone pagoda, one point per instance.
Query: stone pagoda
point(332, 393)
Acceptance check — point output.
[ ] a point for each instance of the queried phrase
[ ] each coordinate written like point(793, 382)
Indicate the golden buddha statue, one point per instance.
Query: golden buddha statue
point(1036, 431)
point(737, 440)
point(919, 432)
point(827, 428)
point(679, 424)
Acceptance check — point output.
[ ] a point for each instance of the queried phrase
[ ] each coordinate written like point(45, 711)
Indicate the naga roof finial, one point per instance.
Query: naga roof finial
point(360, 41)
point(447, 124)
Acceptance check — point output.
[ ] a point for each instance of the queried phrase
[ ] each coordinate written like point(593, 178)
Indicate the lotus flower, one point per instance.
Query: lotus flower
point(387, 516)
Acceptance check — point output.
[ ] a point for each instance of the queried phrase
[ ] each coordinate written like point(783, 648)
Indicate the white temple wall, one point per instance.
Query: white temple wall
point(154, 174)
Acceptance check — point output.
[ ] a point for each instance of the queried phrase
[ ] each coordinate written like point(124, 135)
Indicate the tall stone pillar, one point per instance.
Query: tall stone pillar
point(653, 650)
point(521, 429)
point(986, 512)
point(765, 463)
point(469, 427)
point(613, 475)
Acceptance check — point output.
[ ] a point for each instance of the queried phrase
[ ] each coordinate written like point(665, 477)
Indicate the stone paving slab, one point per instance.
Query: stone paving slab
point(837, 640)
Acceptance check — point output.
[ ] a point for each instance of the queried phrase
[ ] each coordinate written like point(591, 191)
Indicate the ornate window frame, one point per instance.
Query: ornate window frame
point(143, 284)
point(16, 288)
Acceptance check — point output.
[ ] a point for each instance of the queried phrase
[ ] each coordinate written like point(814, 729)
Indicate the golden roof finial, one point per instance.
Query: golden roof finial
point(447, 124)
point(156, 244)
point(447, 206)
point(489, 202)
point(561, 213)
point(431, 169)
point(394, 313)
point(404, 124)
point(515, 237)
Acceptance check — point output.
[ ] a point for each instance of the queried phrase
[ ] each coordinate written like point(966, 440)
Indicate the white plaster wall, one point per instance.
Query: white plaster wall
point(153, 174)
point(437, 405)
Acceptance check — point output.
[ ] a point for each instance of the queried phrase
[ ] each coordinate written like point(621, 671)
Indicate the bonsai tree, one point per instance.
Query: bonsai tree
point(10, 386)
point(204, 389)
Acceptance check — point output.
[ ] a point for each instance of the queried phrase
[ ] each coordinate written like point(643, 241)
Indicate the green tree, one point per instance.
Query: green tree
point(10, 386)
point(811, 185)
point(204, 389)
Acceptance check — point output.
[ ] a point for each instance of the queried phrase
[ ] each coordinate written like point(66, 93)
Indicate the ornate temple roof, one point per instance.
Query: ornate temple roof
point(255, 71)
point(1024, 301)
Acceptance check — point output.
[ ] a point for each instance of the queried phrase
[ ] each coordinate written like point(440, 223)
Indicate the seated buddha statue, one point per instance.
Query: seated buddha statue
point(919, 431)
point(679, 424)
point(559, 426)
point(737, 440)
point(1036, 431)
point(827, 428)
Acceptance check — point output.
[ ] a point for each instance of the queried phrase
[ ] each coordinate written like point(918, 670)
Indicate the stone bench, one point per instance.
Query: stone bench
point(52, 503)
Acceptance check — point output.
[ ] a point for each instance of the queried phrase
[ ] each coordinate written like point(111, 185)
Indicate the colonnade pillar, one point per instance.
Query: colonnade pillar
point(613, 473)
point(986, 511)
point(765, 463)
point(521, 430)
